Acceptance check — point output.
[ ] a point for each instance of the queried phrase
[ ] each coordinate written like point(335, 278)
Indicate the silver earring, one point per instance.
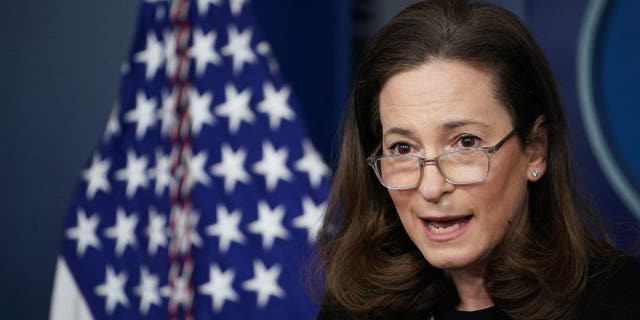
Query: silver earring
point(534, 172)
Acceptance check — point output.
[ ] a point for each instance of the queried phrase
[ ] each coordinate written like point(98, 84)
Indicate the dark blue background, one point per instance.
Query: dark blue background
point(60, 66)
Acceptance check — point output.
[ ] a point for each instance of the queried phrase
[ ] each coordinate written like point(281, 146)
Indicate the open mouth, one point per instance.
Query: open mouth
point(446, 225)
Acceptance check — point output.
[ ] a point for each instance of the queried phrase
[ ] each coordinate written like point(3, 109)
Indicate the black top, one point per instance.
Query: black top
point(491, 313)
point(614, 296)
point(618, 298)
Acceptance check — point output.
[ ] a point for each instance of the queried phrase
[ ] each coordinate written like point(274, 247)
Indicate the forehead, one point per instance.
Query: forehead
point(439, 93)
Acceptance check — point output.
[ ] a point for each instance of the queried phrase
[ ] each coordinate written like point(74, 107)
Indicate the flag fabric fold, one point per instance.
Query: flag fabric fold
point(204, 196)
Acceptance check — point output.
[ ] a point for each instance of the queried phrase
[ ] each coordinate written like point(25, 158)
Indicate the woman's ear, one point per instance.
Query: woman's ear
point(536, 150)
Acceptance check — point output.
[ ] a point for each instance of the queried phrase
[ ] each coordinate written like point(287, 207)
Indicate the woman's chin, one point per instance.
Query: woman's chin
point(450, 261)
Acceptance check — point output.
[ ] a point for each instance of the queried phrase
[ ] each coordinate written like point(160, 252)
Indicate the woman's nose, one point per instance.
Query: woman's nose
point(433, 185)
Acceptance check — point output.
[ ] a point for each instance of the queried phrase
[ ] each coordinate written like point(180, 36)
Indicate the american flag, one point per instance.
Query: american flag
point(204, 196)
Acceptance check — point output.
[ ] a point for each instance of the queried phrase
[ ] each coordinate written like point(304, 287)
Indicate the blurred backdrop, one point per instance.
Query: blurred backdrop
point(61, 61)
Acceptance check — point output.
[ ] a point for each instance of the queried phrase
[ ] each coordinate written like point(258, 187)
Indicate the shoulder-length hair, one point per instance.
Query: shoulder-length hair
point(371, 266)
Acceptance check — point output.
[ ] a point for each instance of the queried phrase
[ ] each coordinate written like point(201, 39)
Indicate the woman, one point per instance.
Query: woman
point(453, 197)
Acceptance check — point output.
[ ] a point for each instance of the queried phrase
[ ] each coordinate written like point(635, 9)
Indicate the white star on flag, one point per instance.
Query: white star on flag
point(273, 165)
point(135, 173)
point(171, 58)
point(236, 6)
point(264, 282)
point(219, 287)
point(156, 231)
point(203, 5)
point(231, 167)
point(161, 172)
point(185, 229)
point(84, 232)
point(312, 163)
point(275, 105)
point(196, 172)
point(264, 49)
point(203, 50)
point(236, 107)
point(144, 114)
point(167, 114)
point(311, 218)
point(96, 176)
point(269, 224)
point(152, 55)
point(227, 228)
point(148, 291)
point(199, 112)
point(239, 48)
point(123, 231)
point(160, 13)
point(113, 125)
point(113, 289)
point(182, 293)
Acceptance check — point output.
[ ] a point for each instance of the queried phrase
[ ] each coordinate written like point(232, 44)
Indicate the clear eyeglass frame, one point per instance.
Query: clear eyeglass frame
point(374, 163)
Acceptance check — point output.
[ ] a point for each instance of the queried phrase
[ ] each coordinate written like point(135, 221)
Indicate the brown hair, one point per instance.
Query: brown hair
point(371, 266)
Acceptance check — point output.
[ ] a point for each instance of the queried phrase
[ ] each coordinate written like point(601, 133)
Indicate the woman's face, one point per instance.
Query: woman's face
point(442, 106)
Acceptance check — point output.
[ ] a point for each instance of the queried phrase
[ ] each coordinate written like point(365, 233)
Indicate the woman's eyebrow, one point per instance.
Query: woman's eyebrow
point(398, 131)
point(449, 125)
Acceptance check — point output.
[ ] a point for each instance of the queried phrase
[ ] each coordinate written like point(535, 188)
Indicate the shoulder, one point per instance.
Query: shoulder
point(614, 295)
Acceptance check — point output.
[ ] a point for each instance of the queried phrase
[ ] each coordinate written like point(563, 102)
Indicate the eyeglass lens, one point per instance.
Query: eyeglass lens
point(462, 166)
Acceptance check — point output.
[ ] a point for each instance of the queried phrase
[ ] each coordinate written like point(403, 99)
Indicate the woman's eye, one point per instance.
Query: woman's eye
point(400, 148)
point(468, 141)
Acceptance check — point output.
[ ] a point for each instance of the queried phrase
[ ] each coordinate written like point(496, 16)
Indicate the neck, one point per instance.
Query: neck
point(471, 290)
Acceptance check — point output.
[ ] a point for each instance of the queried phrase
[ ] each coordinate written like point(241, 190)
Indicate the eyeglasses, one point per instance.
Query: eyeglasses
point(459, 167)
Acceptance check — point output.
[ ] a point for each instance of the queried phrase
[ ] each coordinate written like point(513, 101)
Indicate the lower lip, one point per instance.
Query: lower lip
point(445, 234)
